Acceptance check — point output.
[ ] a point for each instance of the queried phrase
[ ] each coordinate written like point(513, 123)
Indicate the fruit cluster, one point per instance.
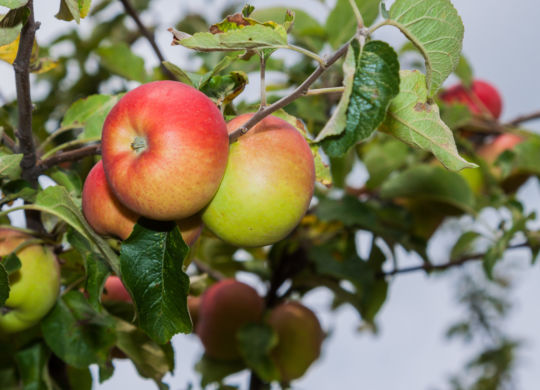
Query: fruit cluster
point(166, 156)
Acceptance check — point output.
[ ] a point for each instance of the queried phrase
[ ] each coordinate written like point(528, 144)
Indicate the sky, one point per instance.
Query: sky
point(410, 350)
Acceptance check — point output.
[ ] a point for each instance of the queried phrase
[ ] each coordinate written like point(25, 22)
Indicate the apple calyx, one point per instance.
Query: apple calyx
point(139, 144)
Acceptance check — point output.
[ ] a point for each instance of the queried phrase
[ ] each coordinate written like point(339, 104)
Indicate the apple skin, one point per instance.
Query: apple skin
point(34, 287)
point(109, 217)
point(115, 291)
point(300, 338)
point(267, 186)
point(480, 94)
point(164, 148)
point(224, 308)
point(491, 151)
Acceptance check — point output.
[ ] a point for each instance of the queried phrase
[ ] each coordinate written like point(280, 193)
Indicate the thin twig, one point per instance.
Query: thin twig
point(69, 144)
point(320, 91)
point(357, 14)
point(299, 91)
point(305, 52)
point(202, 267)
point(55, 134)
point(149, 37)
point(524, 118)
point(439, 267)
point(9, 142)
point(72, 155)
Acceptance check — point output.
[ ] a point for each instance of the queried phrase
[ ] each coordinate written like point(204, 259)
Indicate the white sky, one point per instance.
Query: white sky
point(410, 352)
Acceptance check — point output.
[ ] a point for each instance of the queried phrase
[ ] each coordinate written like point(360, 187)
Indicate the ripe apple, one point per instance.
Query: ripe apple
point(267, 186)
point(482, 97)
point(224, 308)
point(33, 288)
point(300, 338)
point(115, 291)
point(108, 216)
point(491, 151)
point(164, 147)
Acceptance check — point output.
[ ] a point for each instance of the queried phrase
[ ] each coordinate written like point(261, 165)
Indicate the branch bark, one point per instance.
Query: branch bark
point(524, 118)
point(72, 155)
point(149, 37)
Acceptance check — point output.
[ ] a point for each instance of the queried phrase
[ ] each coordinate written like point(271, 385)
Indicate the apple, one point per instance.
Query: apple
point(267, 187)
point(108, 216)
point(33, 288)
point(491, 151)
point(481, 97)
point(164, 147)
point(300, 338)
point(115, 291)
point(224, 308)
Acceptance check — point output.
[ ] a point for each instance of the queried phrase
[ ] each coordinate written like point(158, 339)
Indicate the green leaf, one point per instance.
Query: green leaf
point(377, 161)
point(415, 120)
point(11, 263)
point(73, 9)
point(223, 89)
point(4, 285)
point(340, 168)
point(341, 23)
point(32, 367)
point(12, 4)
point(18, 189)
point(526, 157)
point(214, 371)
point(10, 166)
point(256, 36)
point(152, 360)
point(69, 179)
point(376, 83)
point(348, 210)
point(464, 71)
point(455, 115)
point(77, 333)
point(255, 341)
point(120, 60)
point(435, 28)
point(178, 73)
point(425, 182)
point(465, 245)
point(90, 113)
point(79, 378)
point(15, 17)
point(151, 262)
point(9, 34)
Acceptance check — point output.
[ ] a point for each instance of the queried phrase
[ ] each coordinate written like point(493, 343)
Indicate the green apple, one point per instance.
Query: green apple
point(267, 187)
point(33, 288)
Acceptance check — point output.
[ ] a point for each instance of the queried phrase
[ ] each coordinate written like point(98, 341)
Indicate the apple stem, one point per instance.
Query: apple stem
point(139, 144)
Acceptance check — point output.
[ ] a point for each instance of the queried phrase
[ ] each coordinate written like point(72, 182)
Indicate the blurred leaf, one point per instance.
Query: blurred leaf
point(465, 245)
point(526, 156)
point(151, 262)
point(12, 4)
point(90, 113)
point(73, 9)
point(77, 333)
point(377, 161)
point(178, 73)
point(340, 167)
point(341, 22)
point(455, 115)
point(79, 378)
point(4, 285)
point(435, 28)
point(376, 83)
point(151, 360)
point(14, 17)
point(8, 379)
point(348, 210)
point(214, 371)
point(464, 71)
point(17, 189)
point(9, 43)
point(119, 59)
point(10, 166)
point(415, 121)
point(11, 263)
point(255, 341)
point(32, 365)
point(424, 182)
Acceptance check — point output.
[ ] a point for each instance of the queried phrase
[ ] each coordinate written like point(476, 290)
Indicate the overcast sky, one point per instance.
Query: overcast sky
point(410, 351)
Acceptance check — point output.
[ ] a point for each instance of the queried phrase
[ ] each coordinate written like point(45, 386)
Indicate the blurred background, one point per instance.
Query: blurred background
point(411, 349)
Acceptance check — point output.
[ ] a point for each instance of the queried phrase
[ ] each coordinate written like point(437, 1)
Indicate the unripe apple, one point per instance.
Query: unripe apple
point(164, 147)
point(225, 307)
point(300, 337)
point(33, 288)
point(115, 291)
point(267, 186)
point(481, 96)
point(108, 216)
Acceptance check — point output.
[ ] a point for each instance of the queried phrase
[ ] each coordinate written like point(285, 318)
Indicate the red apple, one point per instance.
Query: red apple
point(115, 291)
point(225, 307)
point(267, 186)
point(108, 216)
point(164, 147)
point(482, 97)
point(491, 151)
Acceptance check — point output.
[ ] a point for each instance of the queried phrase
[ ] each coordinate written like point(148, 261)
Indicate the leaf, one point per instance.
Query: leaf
point(455, 115)
point(415, 121)
point(11, 263)
point(223, 89)
point(257, 36)
point(465, 245)
point(10, 166)
point(255, 341)
point(4, 285)
point(464, 72)
point(73, 9)
point(214, 371)
point(431, 183)
point(77, 333)
point(14, 17)
point(9, 43)
point(18, 189)
point(435, 28)
point(90, 113)
point(79, 378)
point(120, 60)
point(341, 23)
point(178, 73)
point(376, 83)
point(377, 161)
point(151, 264)
point(32, 367)
point(151, 360)
point(69, 179)
point(12, 4)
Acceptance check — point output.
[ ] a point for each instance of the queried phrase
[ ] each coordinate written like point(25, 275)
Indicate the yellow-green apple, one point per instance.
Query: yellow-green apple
point(108, 216)
point(164, 147)
point(300, 337)
point(267, 186)
point(224, 308)
point(481, 97)
point(33, 288)
point(115, 291)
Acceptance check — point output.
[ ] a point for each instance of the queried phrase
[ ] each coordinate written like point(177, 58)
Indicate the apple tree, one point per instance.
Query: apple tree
point(126, 279)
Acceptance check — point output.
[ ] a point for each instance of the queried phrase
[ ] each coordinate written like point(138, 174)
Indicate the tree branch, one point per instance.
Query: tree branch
point(9, 142)
point(149, 37)
point(72, 155)
point(299, 91)
point(439, 267)
point(204, 268)
point(524, 118)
